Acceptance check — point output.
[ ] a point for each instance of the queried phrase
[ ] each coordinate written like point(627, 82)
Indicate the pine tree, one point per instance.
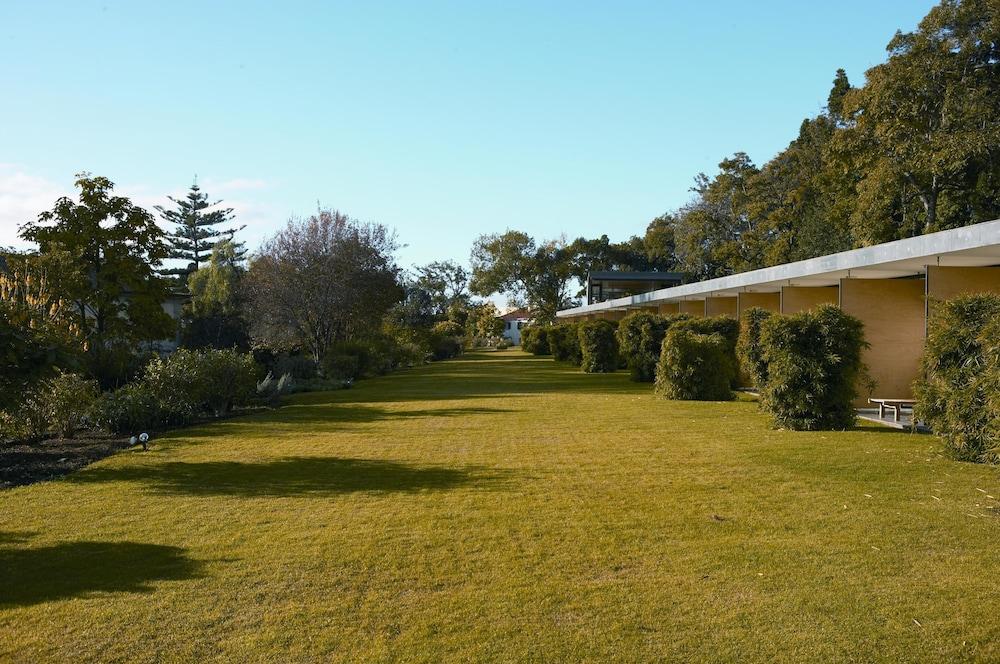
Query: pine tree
point(194, 236)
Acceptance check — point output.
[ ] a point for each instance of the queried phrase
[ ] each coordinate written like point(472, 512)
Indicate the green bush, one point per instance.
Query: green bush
point(749, 349)
point(729, 329)
point(301, 367)
point(958, 391)
point(694, 366)
point(564, 341)
point(181, 388)
point(231, 379)
point(535, 340)
point(813, 365)
point(444, 347)
point(448, 328)
point(598, 348)
point(67, 402)
point(342, 366)
point(130, 410)
point(640, 340)
point(503, 344)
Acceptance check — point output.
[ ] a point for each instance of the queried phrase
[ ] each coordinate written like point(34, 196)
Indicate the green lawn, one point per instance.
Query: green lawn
point(504, 507)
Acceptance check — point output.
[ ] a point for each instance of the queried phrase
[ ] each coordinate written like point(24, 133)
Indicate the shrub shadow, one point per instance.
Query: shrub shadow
point(296, 476)
point(78, 569)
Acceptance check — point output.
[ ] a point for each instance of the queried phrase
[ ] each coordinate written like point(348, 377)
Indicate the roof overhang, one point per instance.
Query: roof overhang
point(971, 246)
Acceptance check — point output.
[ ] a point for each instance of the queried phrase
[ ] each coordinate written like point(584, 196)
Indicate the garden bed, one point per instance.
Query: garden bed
point(27, 463)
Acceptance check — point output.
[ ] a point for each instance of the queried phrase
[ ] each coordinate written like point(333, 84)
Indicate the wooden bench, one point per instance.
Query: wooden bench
point(895, 405)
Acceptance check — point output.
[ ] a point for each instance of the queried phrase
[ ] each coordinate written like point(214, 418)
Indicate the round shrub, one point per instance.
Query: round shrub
point(749, 349)
point(813, 365)
point(67, 402)
point(958, 391)
point(448, 328)
point(535, 340)
point(725, 326)
point(640, 339)
point(230, 379)
point(598, 347)
point(694, 367)
point(130, 409)
point(564, 341)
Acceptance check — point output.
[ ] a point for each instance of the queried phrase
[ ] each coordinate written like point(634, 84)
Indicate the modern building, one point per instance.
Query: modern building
point(604, 286)
point(513, 321)
point(890, 287)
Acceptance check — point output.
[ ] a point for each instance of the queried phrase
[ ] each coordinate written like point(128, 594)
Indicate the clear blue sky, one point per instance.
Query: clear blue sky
point(443, 120)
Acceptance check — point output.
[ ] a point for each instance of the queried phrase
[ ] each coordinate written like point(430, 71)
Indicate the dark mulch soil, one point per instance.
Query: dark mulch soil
point(27, 463)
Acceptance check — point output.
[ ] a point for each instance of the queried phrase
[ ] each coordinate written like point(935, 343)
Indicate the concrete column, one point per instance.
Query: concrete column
point(721, 306)
point(802, 298)
point(768, 301)
point(893, 313)
point(693, 307)
point(668, 308)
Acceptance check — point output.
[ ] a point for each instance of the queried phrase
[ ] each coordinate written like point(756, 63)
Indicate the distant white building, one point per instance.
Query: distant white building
point(513, 321)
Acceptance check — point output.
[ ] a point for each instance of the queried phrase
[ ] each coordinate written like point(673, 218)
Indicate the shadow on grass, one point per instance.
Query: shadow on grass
point(77, 569)
point(296, 476)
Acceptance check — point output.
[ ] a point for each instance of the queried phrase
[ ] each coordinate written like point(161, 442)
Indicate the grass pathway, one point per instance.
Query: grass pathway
point(503, 507)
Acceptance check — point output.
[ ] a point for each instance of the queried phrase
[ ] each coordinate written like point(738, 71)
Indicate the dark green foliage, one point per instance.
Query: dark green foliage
point(564, 341)
point(180, 389)
point(813, 365)
point(194, 236)
point(535, 340)
point(694, 366)
point(958, 392)
point(131, 409)
point(748, 348)
point(640, 339)
point(444, 347)
point(729, 329)
point(598, 347)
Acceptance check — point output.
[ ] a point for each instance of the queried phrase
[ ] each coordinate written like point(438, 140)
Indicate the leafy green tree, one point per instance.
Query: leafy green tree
point(716, 235)
point(194, 235)
point(37, 332)
point(214, 317)
point(112, 248)
point(514, 264)
point(924, 132)
point(445, 282)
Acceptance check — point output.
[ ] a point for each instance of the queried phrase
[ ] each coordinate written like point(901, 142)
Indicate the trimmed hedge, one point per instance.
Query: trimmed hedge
point(813, 364)
point(564, 341)
point(694, 367)
point(598, 347)
point(958, 391)
point(640, 340)
point(748, 347)
point(729, 329)
point(535, 340)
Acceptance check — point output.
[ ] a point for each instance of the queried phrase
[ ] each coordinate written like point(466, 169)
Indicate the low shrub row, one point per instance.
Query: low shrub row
point(181, 388)
point(640, 341)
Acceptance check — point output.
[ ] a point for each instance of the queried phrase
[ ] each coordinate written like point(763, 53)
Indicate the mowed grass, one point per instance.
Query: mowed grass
point(503, 507)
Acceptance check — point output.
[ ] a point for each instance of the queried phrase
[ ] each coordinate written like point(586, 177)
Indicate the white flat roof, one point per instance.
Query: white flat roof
point(971, 246)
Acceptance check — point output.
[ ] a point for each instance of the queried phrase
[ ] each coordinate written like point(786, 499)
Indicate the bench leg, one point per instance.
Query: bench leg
point(881, 411)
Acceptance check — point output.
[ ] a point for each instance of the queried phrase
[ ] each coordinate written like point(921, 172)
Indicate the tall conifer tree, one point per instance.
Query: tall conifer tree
point(194, 234)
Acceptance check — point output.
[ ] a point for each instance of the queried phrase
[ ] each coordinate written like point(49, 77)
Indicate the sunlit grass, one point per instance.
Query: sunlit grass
point(504, 507)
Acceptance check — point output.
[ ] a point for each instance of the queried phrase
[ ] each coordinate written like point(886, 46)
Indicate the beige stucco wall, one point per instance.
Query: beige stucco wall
point(668, 308)
point(721, 306)
point(893, 313)
point(768, 301)
point(693, 307)
point(944, 283)
point(802, 298)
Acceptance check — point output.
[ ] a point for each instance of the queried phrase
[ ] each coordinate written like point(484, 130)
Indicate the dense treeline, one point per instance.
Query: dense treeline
point(916, 149)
